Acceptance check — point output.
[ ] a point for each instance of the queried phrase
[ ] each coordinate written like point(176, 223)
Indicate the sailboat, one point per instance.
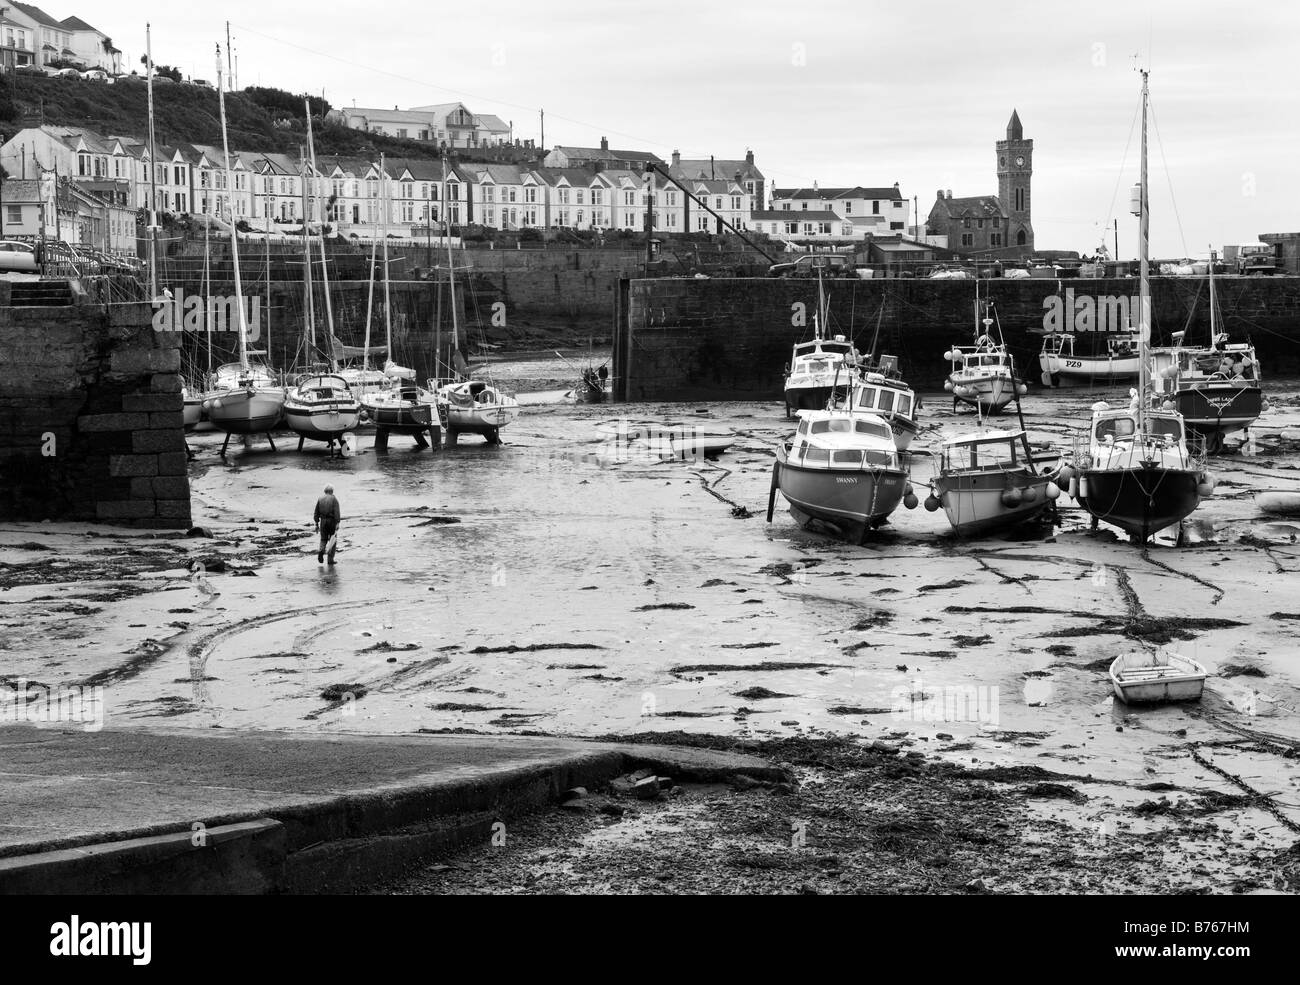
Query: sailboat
point(400, 407)
point(982, 374)
point(1216, 388)
point(817, 367)
point(1134, 469)
point(841, 472)
point(320, 406)
point(247, 399)
point(467, 405)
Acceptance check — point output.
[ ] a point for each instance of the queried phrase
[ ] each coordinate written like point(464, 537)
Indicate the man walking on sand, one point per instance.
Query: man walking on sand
point(327, 522)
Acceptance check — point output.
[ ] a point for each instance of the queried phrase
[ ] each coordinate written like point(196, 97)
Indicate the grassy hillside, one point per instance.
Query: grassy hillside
point(256, 118)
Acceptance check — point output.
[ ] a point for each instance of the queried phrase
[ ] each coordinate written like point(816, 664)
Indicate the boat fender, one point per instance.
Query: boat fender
point(948, 355)
point(1052, 491)
point(907, 489)
point(1011, 497)
point(1074, 488)
point(1167, 405)
point(1022, 389)
point(1065, 473)
point(1083, 487)
point(947, 385)
point(910, 501)
point(931, 503)
point(1031, 494)
point(1204, 489)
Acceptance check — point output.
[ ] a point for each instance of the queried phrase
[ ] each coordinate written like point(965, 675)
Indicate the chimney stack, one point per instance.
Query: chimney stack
point(940, 194)
point(677, 159)
point(950, 193)
point(604, 143)
point(749, 157)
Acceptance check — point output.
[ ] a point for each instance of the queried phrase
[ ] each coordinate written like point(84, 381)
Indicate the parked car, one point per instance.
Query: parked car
point(30, 70)
point(68, 73)
point(18, 256)
point(95, 75)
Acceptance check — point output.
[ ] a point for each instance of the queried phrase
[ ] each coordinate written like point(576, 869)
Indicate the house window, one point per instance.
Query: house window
point(564, 196)
point(578, 193)
point(735, 203)
point(900, 204)
point(402, 134)
point(848, 208)
point(490, 216)
point(792, 228)
point(785, 206)
point(979, 223)
point(453, 192)
point(997, 221)
point(824, 228)
point(487, 193)
point(580, 216)
point(14, 215)
point(967, 239)
point(671, 198)
point(804, 206)
point(596, 197)
point(562, 217)
point(629, 198)
point(995, 239)
point(1020, 238)
point(875, 208)
point(530, 195)
point(1020, 200)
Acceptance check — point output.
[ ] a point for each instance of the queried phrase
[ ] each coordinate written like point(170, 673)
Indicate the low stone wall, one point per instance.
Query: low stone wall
point(91, 412)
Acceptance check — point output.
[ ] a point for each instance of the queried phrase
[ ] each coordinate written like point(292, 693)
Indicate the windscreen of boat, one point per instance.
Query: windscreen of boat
point(1115, 428)
point(904, 407)
point(835, 425)
point(872, 428)
point(1168, 428)
point(814, 366)
point(817, 455)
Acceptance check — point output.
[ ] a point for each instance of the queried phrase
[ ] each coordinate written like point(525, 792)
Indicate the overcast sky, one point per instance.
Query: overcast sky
point(841, 93)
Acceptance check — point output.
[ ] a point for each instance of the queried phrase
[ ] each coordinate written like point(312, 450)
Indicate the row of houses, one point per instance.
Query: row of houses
point(571, 189)
point(30, 36)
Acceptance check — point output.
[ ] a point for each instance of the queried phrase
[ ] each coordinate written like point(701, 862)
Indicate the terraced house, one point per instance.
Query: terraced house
point(40, 39)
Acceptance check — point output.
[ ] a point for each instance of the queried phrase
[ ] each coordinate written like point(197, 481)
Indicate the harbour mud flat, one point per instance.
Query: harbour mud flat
point(948, 698)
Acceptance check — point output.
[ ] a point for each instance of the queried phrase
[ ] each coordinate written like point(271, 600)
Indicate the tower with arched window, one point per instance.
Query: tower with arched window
point(1015, 168)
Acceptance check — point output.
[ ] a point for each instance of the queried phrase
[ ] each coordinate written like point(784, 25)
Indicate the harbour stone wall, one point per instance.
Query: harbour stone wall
point(695, 339)
point(91, 424)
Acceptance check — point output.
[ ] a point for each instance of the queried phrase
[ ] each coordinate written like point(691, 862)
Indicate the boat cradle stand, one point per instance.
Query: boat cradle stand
point(343, 448)
point(435, 437)
point(248, 442)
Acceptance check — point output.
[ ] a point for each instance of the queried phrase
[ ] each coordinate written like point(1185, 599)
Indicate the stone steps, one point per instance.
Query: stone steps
point(41, 294)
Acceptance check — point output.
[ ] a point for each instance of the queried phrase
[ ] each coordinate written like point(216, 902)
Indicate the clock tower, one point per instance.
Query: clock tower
point(1015, 167)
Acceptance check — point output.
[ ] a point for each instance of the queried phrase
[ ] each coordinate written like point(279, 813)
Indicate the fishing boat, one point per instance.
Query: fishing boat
point(1216, 388)
point(817, 371)
point(1133, 468)
point(1113, 358)
point(192, 407)
point(841, 472)
point(322, 407)
point(591, 387)
point(1150, 678)
point(991, 481)
point(880, 390)
point(982, 374)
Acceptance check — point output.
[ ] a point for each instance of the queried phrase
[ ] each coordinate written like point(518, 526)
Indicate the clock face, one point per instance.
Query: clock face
point(1020, 162)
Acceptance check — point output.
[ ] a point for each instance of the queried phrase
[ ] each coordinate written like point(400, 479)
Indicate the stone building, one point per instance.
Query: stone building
point(992, 225)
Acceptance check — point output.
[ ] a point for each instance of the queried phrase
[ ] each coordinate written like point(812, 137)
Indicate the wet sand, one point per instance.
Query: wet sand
point(558, 584)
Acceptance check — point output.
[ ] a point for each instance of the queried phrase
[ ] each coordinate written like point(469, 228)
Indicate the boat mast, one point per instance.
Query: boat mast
point(207, 298)
point(1212, 301)
point(234, 233)
point(451, 261)
point(153, 172)
point(383, 203)
point(1144, 273)
point(324, 264)
point(309, 329)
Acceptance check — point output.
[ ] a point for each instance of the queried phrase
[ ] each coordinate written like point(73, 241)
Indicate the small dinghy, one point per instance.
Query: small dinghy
point(1280, 502)
point(1151, 678)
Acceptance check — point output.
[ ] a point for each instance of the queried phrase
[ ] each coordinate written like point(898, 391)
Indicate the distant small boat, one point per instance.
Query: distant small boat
point(1281, 502)
point(1064, 359)
point(989, 481)
point(322, 407)
point(1151, 678)
point(681, 441)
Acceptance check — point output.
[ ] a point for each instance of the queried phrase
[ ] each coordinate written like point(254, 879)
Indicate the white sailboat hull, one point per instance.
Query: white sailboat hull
point(248, 411)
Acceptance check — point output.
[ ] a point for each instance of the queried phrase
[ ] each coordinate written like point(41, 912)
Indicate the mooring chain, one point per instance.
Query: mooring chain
point(1259, 799)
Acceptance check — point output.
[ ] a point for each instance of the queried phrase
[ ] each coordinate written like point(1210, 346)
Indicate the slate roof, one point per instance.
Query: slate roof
point(977, 207)
point(857, 191)
point(789, 215)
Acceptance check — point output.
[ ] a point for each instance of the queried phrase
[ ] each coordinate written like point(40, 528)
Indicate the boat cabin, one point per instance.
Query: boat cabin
point(980, 357)
point(1223, 362)
point(324, 387)
point(820, 355)
point(991, 451)
point(1111, 427)
point(844, 440)
point(883, 396)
